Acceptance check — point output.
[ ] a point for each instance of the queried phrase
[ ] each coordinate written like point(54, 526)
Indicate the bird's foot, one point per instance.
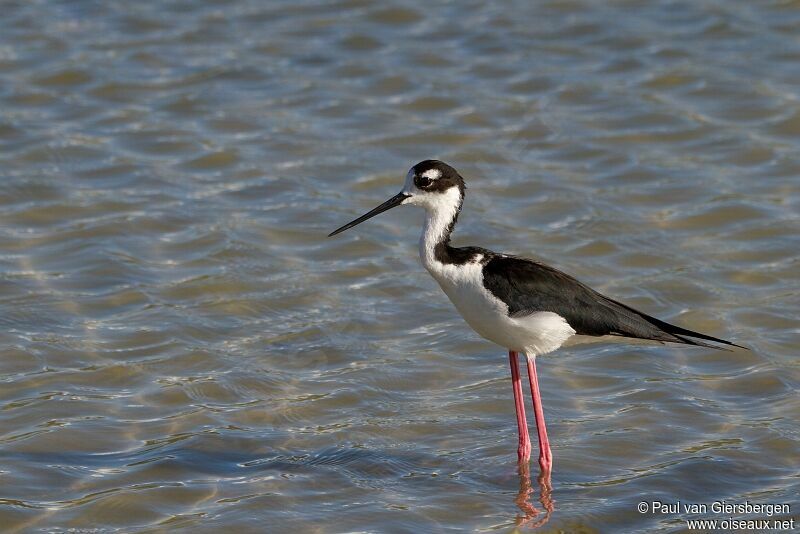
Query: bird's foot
point(546, 462)
point(524, 452)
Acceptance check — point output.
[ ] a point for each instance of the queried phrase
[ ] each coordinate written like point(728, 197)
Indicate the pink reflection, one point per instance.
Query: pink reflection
point(533, 517)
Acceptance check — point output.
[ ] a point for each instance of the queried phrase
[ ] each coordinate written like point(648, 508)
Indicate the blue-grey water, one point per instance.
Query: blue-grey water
point(184, 349)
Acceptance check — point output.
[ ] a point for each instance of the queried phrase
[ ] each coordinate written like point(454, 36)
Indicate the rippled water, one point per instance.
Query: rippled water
point(184, 348)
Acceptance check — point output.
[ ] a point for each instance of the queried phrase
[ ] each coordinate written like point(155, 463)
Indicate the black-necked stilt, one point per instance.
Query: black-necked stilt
point(518, 303)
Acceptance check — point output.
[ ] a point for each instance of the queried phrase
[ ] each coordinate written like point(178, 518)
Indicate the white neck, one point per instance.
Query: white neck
point(441, 209)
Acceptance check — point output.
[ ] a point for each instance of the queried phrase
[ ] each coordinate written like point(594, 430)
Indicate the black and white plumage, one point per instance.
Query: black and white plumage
point(518, 303)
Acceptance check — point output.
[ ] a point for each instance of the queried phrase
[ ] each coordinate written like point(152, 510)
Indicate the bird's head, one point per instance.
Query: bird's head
point(432, 184)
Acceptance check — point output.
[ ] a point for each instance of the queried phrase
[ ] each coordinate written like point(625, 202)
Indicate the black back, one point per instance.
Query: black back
point(527, 287)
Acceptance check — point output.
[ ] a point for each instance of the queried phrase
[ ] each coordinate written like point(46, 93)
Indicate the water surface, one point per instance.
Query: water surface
point(183, 348)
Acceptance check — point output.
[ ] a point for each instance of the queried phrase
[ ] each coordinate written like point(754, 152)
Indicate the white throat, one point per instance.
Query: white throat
point(441, 209)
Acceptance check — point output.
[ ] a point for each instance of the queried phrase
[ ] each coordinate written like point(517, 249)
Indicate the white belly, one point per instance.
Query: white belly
point(534, 334)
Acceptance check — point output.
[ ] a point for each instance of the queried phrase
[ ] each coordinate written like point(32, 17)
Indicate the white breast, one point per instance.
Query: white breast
point(534, 334)
point(537, 333)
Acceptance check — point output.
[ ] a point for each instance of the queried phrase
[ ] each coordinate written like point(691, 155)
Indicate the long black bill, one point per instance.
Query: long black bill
point(389, 204)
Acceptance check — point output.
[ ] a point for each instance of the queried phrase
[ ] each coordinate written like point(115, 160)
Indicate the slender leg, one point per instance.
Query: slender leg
point(524, 449)
point(545, 456)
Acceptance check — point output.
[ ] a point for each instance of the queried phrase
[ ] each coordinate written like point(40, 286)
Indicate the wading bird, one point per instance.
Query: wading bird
point(520, 304)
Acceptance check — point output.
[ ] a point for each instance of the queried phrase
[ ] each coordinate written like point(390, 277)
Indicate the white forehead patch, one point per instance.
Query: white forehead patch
point(432, 174)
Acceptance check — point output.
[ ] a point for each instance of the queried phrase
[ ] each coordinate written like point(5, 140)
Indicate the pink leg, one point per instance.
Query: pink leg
point(545, 456)
point(524, 449)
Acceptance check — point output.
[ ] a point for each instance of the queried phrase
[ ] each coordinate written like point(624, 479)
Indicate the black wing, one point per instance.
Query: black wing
point(527, 286)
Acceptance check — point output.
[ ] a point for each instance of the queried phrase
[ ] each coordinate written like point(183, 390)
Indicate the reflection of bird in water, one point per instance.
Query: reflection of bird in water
point(520, 304)
point(530, 517)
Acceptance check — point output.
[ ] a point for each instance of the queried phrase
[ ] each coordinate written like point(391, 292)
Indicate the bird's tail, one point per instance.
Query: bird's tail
point(680, 335)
